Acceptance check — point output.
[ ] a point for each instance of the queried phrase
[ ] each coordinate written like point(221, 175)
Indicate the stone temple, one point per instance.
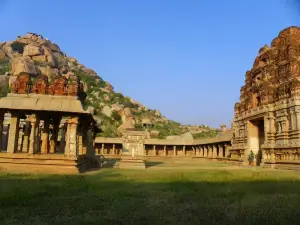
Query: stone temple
point(267, 118)
point(46, 128)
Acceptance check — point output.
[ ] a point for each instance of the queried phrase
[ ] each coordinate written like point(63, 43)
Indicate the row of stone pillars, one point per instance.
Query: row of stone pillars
point(221, 150)
point(31, 139)
point(214, 150)
point(116, 149)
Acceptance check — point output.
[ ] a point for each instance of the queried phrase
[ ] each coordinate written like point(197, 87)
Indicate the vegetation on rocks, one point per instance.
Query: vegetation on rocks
point(210, 133)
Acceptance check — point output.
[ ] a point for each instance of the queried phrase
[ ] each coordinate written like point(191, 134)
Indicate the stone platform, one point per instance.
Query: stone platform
point(44, 163)
point(128, 162)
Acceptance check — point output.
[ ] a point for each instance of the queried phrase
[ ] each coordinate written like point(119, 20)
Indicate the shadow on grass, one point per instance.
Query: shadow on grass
point(130, 197)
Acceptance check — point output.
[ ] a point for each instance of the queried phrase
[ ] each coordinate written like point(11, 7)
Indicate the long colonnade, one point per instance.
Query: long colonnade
point(112, 147)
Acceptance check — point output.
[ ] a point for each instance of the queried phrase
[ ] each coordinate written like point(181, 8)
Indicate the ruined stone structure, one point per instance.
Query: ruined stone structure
point(48, 130)
point(267, 118)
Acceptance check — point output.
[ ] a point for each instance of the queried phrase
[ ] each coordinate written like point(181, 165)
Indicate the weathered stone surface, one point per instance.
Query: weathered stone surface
point(116, 107)
point(23, 65)
point(91, 109)
point(32, 50)
point(3, 57)
point(107, 111)
point(157, 113)
point(39, 59)
point(53, 47)
point(89, 71)
point(127, 111)
point(2, 44)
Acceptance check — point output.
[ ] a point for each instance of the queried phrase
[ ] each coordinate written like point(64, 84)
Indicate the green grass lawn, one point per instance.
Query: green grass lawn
point(112, 196)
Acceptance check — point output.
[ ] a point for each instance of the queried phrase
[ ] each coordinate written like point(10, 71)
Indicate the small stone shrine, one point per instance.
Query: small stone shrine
point(133, 149)
point(46, 129)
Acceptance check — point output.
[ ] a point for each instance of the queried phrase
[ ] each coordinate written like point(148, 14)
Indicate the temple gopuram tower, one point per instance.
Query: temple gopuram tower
point(267, 118)
point(46, 128)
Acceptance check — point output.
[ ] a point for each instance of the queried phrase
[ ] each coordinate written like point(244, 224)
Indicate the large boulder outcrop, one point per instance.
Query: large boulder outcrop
point(32, 50)
point(23, 65)
point(107, 111)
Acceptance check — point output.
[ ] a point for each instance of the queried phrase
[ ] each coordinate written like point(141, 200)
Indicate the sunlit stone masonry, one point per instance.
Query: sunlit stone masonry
point(44, 128)
point(267, 118)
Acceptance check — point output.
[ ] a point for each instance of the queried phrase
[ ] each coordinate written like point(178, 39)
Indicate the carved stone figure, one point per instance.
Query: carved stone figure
point(22, 84)
point(41, 85)
point(58, 86)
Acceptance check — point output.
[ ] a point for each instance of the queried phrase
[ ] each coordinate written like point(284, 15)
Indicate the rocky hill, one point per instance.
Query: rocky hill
point(35, 55)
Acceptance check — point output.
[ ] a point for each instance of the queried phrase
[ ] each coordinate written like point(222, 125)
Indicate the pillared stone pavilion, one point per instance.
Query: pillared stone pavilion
point(44, 128)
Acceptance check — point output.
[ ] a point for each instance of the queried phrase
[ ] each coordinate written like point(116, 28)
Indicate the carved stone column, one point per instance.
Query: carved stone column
point(71, 145)
point(1, 129)
point(165, 150)
point(271, 129)
point(33, 133)
point(80, 141)
point(183, 151)
point(114, 149)
point(45, 137)
point(13, 133)
point(174, 150)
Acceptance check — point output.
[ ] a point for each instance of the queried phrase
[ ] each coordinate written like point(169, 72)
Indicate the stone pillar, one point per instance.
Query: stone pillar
point(102, 149)
point(205, 149)
point(174, 150)
point(80, 141)
point(183, 151)
point(26, 136)
point(227, 150)
point(13, 133)
point(71, 145)
point(45, 137)
point(33, 133)
point(194, 151)
point(53, 140)
point(165, 150)
point(1, 129)
point(214, 151)
point(114, 149)
point(220, 155)
point(154, 150)
point(67, 138)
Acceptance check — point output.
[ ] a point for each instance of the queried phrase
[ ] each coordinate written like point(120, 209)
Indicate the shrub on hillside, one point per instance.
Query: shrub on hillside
point(18, 47)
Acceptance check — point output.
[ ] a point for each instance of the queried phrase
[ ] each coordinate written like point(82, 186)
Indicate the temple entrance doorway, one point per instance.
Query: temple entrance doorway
point(256, 138)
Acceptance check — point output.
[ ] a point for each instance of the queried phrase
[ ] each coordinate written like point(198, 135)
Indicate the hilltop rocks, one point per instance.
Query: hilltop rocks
point(89, 72)
point(23, 65)
point(32, 50)
point(157, 113)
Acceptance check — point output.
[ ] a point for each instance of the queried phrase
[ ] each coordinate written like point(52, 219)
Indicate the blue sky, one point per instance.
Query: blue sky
point(187, 58)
